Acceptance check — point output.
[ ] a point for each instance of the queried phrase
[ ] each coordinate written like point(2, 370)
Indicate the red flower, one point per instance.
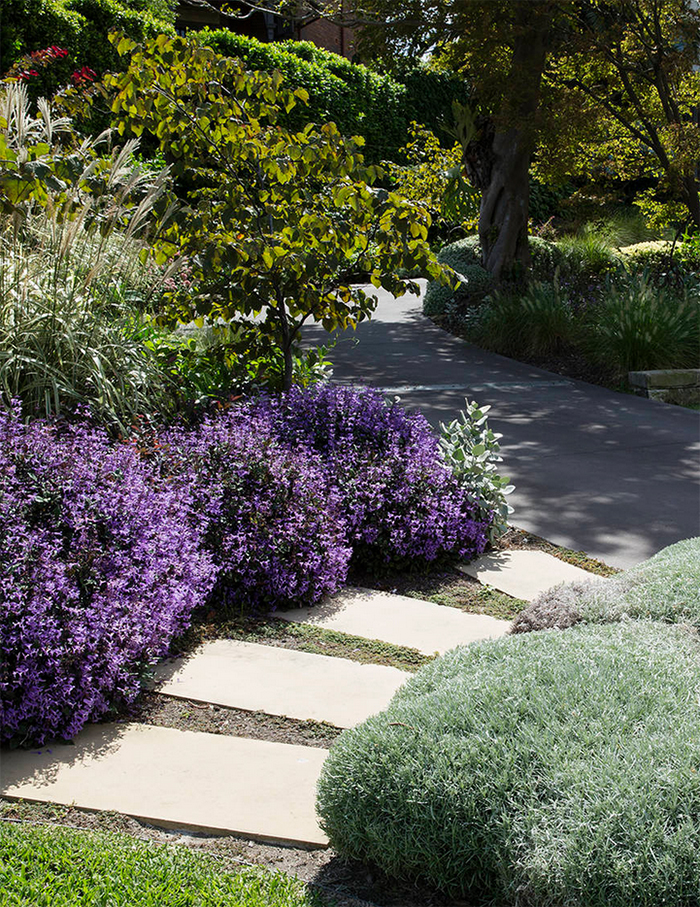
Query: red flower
point(81, 76)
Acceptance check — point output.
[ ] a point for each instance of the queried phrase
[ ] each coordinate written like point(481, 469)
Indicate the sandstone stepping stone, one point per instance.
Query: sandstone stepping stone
point(523, 574)
point(397, 619)
point(281, 681)
point(178, 779)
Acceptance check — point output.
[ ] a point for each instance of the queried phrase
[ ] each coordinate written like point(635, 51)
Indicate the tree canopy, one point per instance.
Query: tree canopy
point(590, 83)
point(277, 222)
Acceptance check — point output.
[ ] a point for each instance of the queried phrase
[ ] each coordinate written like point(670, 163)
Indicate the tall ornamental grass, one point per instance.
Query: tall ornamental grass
point(640, 326)
point(73, 281)
point(549, 769)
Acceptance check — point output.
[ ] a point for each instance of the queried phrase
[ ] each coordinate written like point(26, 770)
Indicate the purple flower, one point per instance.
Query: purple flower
point(99, 567)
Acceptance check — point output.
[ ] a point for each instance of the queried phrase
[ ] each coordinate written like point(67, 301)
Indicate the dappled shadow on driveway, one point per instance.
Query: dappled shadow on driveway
point(596, 470)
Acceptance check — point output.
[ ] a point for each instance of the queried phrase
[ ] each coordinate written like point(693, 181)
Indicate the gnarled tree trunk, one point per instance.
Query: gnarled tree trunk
point(497, 159)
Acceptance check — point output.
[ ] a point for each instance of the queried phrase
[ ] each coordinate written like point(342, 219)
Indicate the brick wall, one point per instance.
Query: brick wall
point(336, 38)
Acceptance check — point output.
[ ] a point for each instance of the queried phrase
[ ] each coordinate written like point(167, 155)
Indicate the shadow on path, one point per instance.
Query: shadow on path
point(609, 473)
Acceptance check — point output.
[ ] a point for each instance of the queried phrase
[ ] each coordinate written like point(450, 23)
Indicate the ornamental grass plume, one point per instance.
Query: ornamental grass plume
point(99, 569)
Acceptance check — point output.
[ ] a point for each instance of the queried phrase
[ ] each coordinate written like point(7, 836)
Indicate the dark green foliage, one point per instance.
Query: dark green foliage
point(464, 257)
point(358, 100)
point(545, 200)
point(547, 769)
point(78, 26)
point(664, 262)
point(536, 322)
point(640, 325)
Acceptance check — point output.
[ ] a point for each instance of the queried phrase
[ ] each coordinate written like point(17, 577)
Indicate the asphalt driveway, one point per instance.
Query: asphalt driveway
point(612, 474)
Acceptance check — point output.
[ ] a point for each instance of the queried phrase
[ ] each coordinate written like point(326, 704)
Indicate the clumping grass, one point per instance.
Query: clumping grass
point(664, 588)
point(546, 769)
point(51, 867)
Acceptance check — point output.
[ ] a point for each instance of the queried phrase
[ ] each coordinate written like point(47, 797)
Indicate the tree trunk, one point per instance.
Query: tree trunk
point(498, 159)
point(503, 215)
point(692, 198)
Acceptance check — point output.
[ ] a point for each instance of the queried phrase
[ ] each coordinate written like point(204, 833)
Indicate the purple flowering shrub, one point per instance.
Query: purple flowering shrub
point(401, 501)
point(269, 514)
point(99, 568)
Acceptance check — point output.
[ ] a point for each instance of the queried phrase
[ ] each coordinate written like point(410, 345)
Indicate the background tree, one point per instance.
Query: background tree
point(277, 223)
point(627, 80)
point(546, 70)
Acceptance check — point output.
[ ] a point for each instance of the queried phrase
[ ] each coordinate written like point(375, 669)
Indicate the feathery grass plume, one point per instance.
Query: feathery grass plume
point(74, 275)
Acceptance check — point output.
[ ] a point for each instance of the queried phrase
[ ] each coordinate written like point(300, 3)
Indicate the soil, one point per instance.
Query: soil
point(187, 715)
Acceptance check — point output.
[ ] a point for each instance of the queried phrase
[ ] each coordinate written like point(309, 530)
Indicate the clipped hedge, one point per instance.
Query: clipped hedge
point(665, 588)
point(360, 101)
point(553, 768)
point(464, 256)
point(78, 26)
point(662, 259)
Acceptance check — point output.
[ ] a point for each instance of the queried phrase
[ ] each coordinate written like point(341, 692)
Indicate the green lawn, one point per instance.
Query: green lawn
point(57, 867)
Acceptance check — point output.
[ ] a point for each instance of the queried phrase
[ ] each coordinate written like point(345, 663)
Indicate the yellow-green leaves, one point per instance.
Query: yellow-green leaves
point(277, 221)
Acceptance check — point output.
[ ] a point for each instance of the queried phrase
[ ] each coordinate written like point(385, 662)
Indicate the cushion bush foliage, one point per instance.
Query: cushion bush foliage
point(98, 571)
point(664, 262)
point(552, 768)
point(666, 587)
point(401, 502)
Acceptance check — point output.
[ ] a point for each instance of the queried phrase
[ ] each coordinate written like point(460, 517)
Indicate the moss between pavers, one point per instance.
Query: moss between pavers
point(304, 638)
point(519, 538)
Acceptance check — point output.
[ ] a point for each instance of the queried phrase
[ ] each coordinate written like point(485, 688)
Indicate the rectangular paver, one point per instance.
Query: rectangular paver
point(178, 779)
point(397, 619)
point(523, 574)
point(281, 681)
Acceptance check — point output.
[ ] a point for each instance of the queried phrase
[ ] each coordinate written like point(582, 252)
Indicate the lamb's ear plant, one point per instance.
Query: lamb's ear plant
point(472, 450)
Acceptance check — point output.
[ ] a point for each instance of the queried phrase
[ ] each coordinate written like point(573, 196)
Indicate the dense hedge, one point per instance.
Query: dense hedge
point(358, 100)
point(666, 587)
point(78, 26)
point(464, 256)
point(552, 768)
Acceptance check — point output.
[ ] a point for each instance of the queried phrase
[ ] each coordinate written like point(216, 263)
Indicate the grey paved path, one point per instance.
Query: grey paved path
point(608, 473)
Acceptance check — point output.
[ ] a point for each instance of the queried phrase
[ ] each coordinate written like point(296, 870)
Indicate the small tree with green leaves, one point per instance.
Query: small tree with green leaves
point(277, 222)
